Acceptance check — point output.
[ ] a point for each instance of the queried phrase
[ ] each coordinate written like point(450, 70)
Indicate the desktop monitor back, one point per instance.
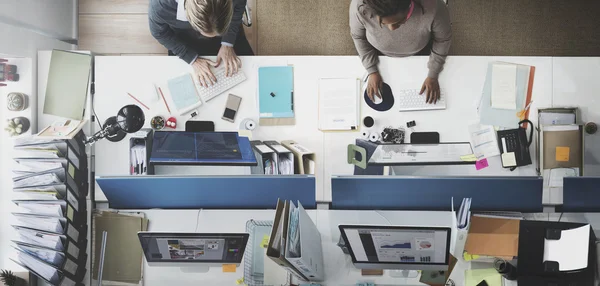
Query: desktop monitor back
point(398, 247)
point(191, 249)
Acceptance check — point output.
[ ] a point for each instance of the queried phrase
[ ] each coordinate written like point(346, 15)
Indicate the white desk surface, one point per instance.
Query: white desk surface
point(462, 78)
point(338, 266)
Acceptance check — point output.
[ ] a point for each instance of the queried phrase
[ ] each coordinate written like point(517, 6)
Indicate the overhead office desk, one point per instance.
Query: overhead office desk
point(338, 266)
point(462, 78)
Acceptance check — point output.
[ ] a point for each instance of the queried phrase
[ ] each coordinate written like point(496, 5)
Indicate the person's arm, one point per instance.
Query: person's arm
point(239, 6)
point(366, 52)
point(442, 36)
point(161, 31)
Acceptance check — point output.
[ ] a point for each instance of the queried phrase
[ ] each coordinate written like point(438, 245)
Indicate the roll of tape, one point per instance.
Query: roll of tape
point(248, 124)
point(365, 135)
point(374, 137)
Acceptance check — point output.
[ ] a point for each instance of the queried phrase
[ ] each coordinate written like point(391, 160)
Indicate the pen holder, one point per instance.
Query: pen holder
point(505, 269)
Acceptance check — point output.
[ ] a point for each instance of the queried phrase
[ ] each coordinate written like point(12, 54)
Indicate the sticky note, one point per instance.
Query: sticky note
point(481, 164)
point(468, 158)
point(562, 154)
point(239, 281)
point(265, 241)
point(469, 257)
point(509, 159)
point(229, 267)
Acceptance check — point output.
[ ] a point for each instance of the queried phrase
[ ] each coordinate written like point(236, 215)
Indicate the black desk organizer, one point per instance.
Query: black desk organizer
point(533, 271)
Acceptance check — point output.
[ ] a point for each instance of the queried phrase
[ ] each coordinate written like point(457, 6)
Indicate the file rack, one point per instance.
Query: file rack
point(51, 220)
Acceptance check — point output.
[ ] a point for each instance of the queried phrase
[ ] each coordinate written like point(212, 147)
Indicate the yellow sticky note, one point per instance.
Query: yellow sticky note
point(245, 133)
point(468, 158)
point(229, 267)
point(265, 241)
point(562, 154)
point(239, 281)
point(469, 257)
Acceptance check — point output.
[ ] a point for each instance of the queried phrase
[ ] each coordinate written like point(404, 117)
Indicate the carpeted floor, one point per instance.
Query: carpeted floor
point(480, 27)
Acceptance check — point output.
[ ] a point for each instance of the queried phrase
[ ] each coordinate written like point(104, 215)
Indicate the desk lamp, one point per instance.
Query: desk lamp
point(129, 119)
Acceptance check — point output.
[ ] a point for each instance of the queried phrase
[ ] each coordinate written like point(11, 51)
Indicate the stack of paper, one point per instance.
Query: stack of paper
point(507, 90)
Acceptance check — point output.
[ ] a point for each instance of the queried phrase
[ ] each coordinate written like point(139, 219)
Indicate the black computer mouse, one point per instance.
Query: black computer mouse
point(385, 103)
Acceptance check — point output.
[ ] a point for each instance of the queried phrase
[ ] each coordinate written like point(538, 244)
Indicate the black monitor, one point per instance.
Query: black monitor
point(208, 248)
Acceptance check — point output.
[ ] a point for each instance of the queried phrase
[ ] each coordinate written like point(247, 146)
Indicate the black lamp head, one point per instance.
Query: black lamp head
point(130, 118)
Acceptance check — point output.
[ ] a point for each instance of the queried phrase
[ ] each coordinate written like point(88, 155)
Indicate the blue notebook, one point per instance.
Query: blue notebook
point(276, 92)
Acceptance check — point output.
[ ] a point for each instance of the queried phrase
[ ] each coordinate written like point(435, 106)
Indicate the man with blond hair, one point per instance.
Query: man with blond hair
point(191, 29)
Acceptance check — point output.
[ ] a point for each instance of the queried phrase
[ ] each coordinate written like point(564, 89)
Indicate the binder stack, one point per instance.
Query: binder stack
point(296, 242)
point(50, 183)
point(265, 157)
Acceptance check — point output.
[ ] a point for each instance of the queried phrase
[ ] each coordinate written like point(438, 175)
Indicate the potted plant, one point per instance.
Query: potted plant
point(10, 279)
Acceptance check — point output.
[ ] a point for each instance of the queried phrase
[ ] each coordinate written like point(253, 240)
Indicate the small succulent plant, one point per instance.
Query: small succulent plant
point(14, 127)
point(8, 278)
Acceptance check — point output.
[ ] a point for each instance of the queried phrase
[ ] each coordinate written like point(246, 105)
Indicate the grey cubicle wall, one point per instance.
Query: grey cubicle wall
point(522, 194)
point(207, 192)
point(581, 194)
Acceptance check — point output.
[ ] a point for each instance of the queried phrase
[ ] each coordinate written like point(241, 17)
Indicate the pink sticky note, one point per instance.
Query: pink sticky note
point(483, 163)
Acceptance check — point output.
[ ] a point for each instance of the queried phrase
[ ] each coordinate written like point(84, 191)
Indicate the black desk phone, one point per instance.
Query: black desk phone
point(515, 140)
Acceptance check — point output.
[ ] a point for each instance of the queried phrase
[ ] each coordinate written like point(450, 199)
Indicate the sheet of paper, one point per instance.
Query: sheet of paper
point(504, 86)
point(339, 103)
point(557, 175)
point(484, 141)
point(571, 241)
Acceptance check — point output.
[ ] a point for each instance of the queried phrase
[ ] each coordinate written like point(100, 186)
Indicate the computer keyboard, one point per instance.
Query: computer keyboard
point(223, 83)
point(411, 100)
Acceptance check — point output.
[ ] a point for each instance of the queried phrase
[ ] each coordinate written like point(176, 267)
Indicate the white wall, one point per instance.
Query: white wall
point(53, 18)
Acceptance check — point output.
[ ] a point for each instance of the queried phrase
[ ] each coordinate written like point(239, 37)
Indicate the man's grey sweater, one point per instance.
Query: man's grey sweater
point(429, 20)
point(176, 35)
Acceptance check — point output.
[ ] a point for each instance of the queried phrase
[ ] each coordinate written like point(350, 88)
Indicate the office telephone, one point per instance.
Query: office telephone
point(515, 141)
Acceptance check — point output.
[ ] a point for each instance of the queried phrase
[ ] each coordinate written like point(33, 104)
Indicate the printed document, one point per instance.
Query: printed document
point(484, 141)
point(339, 103)
point(504, 86)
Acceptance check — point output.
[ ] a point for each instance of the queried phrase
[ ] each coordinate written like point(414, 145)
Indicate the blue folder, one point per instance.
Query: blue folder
point(208, 192)
point(276, 92)
point(519, 194)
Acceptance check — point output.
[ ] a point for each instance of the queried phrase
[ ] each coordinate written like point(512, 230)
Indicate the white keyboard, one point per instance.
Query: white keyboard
point(223, 83)
point(411, 100)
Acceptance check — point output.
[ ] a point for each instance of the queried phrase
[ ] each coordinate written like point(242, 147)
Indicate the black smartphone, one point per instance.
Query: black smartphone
point(199, 126)
point(424, 138)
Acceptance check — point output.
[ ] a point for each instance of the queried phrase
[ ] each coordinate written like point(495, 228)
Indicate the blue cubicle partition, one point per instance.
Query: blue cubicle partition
point(520, 194)
point(581, 194)
point(207, 192)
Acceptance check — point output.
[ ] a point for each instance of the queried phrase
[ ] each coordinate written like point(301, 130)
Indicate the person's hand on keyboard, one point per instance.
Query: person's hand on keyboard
point(374, 86)
point(232, 62)
point(202, 69)
point(433, 90)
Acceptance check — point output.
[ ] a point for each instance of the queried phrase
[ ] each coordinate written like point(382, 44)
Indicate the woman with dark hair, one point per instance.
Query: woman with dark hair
point(400, 28)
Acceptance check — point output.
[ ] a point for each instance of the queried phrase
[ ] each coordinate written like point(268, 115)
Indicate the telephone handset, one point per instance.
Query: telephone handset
point(514, 146)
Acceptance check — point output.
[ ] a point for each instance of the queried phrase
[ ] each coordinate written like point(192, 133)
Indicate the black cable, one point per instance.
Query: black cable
point(95, 115)
point(560, 217)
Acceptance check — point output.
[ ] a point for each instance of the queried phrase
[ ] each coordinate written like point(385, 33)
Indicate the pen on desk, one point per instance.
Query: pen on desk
point(164, 100)
point(292, 101)
point(138, 101)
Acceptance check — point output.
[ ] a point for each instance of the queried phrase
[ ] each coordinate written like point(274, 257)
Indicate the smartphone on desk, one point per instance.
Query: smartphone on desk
point(231, 108)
